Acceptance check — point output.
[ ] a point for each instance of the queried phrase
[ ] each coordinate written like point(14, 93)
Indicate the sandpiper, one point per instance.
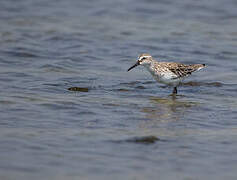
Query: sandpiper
point(170, 73)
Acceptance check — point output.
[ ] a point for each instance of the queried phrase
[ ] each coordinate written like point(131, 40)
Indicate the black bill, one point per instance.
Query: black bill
point(137, 63)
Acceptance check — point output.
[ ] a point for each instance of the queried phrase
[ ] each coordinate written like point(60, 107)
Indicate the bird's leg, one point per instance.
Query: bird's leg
point(175, 90)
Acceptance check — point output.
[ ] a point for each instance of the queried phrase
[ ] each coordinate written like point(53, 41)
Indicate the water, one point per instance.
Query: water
point(118, 124)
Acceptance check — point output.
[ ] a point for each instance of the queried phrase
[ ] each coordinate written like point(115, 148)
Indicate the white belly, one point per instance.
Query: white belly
point(168, 78)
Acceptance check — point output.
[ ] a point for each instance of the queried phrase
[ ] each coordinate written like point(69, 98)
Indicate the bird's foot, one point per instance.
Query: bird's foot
point(175, 91)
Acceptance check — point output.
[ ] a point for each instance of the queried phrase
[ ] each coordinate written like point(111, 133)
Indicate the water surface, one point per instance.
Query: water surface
point(69, 109)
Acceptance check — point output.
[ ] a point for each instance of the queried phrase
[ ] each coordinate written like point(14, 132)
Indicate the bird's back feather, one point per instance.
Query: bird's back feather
point(182, 70)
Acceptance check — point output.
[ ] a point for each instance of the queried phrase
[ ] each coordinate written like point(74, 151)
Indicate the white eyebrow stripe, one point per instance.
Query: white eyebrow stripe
point(144, 57)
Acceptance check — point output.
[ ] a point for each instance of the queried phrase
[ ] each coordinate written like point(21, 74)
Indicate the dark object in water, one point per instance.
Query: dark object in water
point(144, 139)
point(122, 90)
point(80, 89)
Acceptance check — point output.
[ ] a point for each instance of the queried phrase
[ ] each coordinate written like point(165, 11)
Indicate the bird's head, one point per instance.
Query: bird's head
point(144, 59)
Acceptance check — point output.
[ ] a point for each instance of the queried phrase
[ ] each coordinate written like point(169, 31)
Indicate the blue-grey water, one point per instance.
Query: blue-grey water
point(118, 124)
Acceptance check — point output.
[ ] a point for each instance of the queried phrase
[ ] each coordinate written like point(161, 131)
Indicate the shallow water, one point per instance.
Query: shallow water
point(69, 109)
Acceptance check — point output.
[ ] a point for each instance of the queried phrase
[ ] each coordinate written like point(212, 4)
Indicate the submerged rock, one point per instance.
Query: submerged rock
point(144, 139)
point(80, 89)
point(123, 90)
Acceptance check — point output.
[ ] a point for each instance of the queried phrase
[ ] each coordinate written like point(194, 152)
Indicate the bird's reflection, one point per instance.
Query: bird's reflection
point(166, 109)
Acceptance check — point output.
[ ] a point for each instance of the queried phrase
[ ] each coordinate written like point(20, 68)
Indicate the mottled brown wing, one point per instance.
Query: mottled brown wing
point(182, 70)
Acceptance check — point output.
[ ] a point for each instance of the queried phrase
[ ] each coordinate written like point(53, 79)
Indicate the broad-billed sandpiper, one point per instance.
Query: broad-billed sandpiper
point(170, 73)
